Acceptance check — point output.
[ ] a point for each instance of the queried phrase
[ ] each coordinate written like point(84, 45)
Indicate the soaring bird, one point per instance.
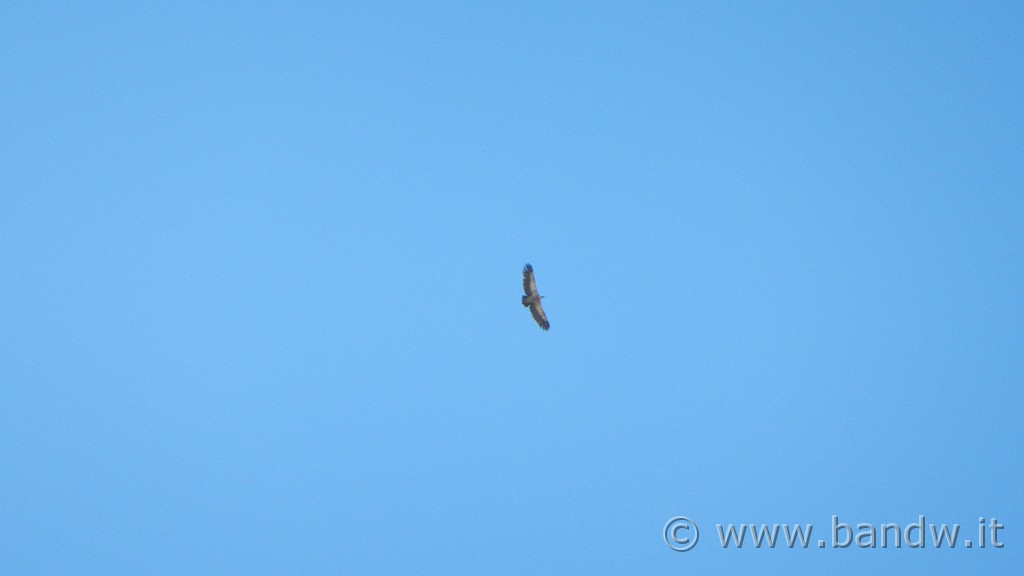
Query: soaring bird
point(532, 298)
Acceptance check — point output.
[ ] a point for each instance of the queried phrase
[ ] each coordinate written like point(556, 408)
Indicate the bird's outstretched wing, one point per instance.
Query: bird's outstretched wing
point(529, 284)
point(538, 314)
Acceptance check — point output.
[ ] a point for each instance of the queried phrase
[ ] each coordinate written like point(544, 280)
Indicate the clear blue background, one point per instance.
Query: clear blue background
point(260, 279)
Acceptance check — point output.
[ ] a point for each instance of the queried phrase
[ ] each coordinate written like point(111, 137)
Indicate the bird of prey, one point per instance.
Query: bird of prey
point(532, 298)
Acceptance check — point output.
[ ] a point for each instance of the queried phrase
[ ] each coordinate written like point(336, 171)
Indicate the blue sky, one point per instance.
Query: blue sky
point(260, 278)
